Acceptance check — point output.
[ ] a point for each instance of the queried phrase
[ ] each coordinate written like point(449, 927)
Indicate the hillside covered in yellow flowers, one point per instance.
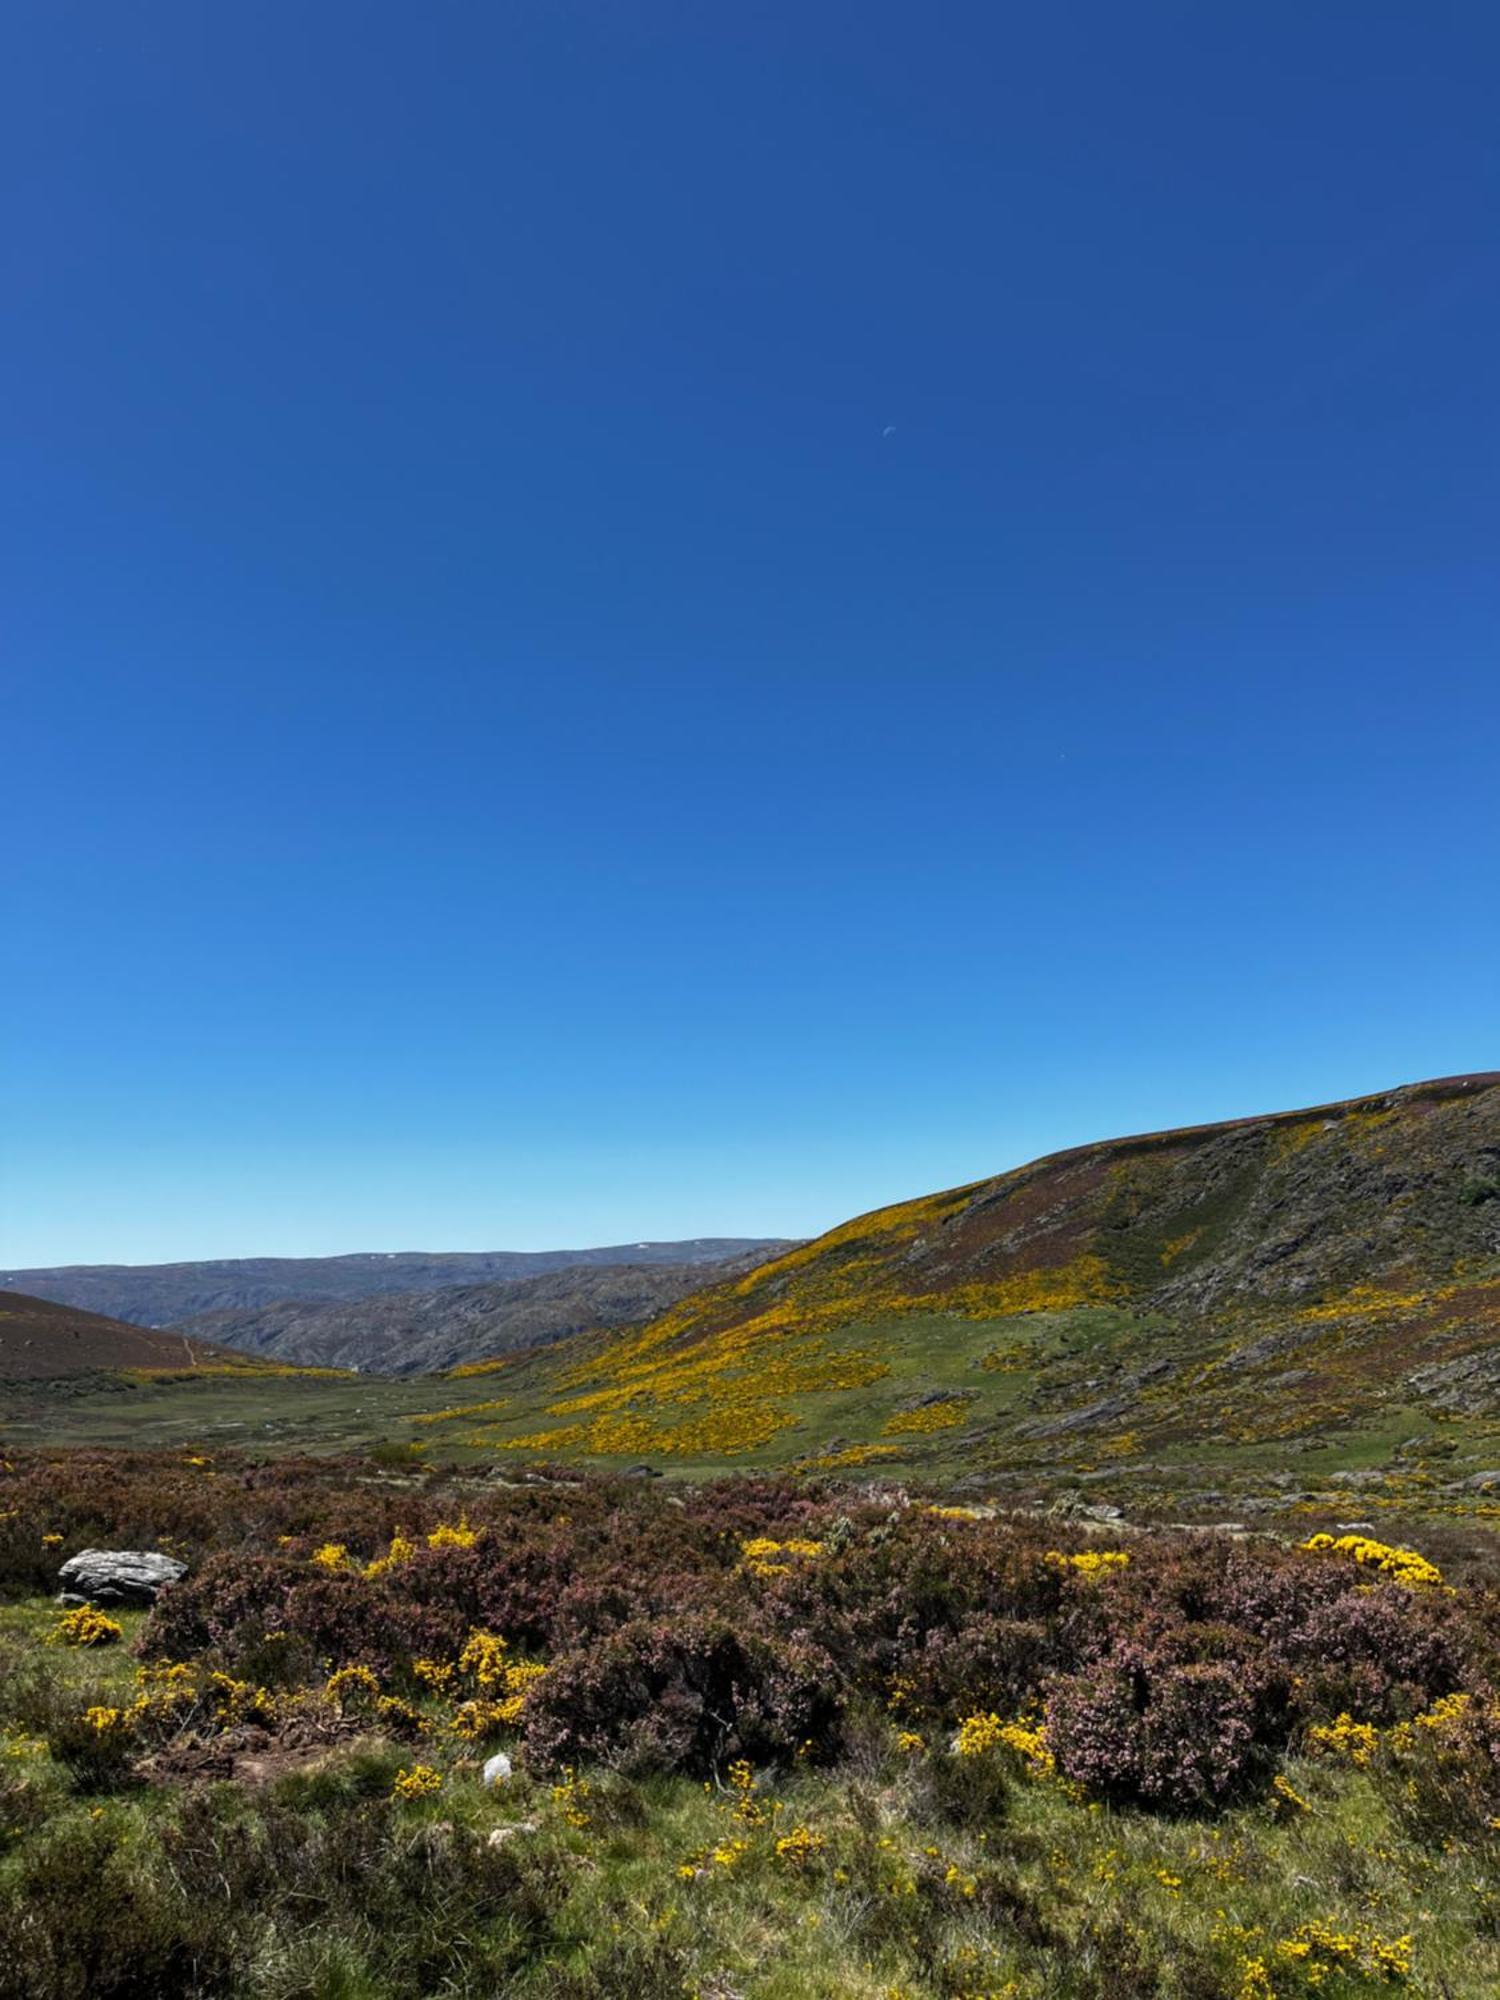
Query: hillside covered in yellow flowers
point(1268, 1304)
point(1332, 1271)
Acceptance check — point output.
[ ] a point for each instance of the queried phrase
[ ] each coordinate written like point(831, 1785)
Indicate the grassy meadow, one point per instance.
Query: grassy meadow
point(769, 1738)
point(1114, 1405)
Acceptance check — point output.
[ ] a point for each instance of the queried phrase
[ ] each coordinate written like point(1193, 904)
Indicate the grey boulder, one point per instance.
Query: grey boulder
point(117, 1576)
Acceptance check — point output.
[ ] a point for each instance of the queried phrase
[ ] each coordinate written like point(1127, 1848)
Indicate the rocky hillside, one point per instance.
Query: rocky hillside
point(412, 1333)
point(1261, 1285)
point(162, 1294)
point(1393, 1192)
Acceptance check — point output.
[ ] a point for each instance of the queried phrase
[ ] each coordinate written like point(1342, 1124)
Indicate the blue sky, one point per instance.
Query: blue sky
point(654, 620)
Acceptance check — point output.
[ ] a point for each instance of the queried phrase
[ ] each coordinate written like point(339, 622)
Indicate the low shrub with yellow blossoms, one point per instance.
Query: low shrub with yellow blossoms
point(351, 1685)
point(1404, 1565)
point(1088, 1562)
point(977, 1734)
point(799, 1846)
point(943, 1416)
point(1318, 1950)
point(401, 1550)
point(501, 1684)
point(418, 1781)
point(459, 1536)
point(86, 1626)
point(980, 1734)
point(765, 1557)
point(1350, 1741)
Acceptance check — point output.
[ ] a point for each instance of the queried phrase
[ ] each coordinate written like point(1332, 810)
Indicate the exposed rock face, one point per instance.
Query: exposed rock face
point(131, 1577)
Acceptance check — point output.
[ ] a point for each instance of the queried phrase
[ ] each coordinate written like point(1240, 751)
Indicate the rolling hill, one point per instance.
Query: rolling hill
point(1258, 1315)
point(1252, 1287)
point(42, 1341)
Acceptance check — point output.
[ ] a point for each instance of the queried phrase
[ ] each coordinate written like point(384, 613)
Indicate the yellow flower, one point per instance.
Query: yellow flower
point(799, 1846)
point(1355, 1742)
point(1405, 1565)
point(401, 1550)
point(461, 1537)
point(483, 1656)
point(977, 1734)
point(765, 1557)
point(85, 1627)
point(1286, 1802)
point(332, 1555)
point(349, 1682)
point(1090, 1562)
point(419, 1782)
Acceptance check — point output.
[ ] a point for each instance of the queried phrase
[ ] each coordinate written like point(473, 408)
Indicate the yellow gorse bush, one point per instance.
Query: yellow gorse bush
point(460, 1537)
point(419, 1781)
point(458, 1410)
point(401, 1550)
point(799, 1846)
point(980, 1734)
point(349, 1683)
point(483, 1658)
point(1353, 1742)
point(944, 1416)
point(1405, 1565)
point(1319, 1950)
point(1088, 1562)
point(1437, 1721)
point(85, 1627)
point(765, 1557)
point(977, 1734)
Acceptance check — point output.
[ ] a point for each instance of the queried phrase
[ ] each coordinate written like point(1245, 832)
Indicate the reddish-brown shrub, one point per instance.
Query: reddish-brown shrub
point(689, 1696)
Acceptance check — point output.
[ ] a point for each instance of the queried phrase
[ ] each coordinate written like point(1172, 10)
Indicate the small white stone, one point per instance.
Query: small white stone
point(497, 1768)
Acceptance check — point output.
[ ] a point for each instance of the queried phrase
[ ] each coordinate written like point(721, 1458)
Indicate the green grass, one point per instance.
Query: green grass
point(1200, 1437)
point(905, 1889)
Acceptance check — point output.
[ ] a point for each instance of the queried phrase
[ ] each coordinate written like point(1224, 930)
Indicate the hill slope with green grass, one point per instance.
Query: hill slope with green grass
point(1211, 1322)
point(1323, 1281)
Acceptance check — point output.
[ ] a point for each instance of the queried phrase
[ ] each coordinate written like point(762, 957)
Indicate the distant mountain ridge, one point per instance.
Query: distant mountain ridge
point(428, 1332)
point(157, 1295)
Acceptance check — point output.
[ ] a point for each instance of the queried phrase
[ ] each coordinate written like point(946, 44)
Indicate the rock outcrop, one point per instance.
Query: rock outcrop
point(130, 1577)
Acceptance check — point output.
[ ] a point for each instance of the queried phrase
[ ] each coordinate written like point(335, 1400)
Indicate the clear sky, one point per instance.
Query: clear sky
point(650, 619)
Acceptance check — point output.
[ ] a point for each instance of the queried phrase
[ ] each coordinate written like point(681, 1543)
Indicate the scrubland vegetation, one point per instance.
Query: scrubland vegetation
point(769, 1738)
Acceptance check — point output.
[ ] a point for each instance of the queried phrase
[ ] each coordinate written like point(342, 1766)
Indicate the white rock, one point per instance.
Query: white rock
point(497, 1768)
point(117, 1576)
